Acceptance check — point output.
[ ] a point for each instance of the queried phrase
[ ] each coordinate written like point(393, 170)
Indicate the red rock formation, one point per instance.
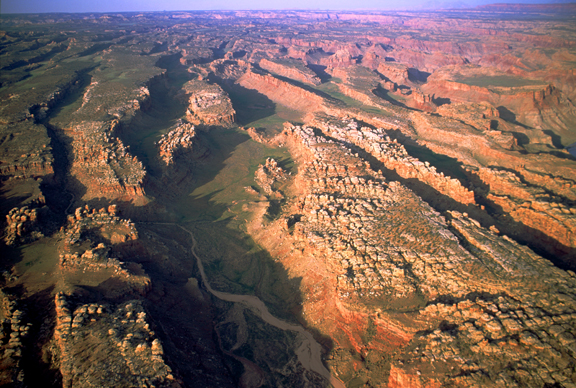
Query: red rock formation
point(400, 378)
point(282, 92)
point(337, 216)
point(357, 95)
point(333, 233)
point(395, 72)
point(394, 157)
point(536, 106)
point(298, 73)
point(21, 225)
point(208, 104)
point(480, 116)
point(195, 55)
point(401, 282)
point(126, 352)
point(268, 174)
point(532, 207)
point(103, 164)
point(421, 101)
point(176, 142)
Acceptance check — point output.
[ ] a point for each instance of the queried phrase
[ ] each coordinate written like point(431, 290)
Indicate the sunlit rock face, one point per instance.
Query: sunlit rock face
point(298, 198)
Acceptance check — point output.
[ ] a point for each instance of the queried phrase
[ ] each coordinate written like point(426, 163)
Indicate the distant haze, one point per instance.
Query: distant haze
point(42, 6)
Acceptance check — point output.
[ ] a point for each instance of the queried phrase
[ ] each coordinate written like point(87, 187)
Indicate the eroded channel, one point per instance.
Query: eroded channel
point(309, 352)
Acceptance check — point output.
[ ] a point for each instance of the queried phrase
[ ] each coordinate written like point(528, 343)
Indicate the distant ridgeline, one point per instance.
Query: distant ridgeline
point(562, 7)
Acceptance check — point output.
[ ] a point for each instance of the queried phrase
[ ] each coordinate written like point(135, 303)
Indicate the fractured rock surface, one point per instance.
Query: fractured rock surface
point(385, 247)
point(105, 346)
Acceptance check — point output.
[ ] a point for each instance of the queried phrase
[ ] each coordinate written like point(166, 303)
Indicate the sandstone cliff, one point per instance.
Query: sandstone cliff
point(208, 104)
point(176, 142)
point(294, 70)
point(335, 234)
point(282, 92)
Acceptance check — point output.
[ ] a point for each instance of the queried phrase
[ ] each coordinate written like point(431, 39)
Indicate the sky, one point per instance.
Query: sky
point(42, 6)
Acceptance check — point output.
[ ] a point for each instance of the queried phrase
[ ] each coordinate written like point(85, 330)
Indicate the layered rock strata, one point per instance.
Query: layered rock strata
point(103, 163)
point(394, 156)
point(463, 111)
point(532, 206)
point(291, 69)
point(281, 91)
point(369, 251)
point(208, 104)
point(521, 336)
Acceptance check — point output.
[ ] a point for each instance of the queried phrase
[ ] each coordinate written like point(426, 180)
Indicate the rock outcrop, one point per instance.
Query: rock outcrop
point(424, 235)
point(291, 69)
point(477, 115)
point(25, 151)
point(394, 72)
point(394, 156)
point(22, 225)
point(268, 174)
point(14, 330)
point(535, 106)
point(104, 164)
point(88, 243)
point(532, 206)
point(176, 142)
point(479, 337)
point(347, 220)
point(108, 345)
point(208, 104)
point(281, 91)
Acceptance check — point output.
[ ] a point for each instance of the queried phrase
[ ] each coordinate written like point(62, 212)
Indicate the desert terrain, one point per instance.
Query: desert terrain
point(289, 199)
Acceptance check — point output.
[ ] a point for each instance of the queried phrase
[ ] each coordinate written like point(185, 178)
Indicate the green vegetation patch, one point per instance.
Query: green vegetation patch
point(293, 63)
point(333, 90)
point(219, 192)
point(39, 261)
point(234, 263)
point(506, 81)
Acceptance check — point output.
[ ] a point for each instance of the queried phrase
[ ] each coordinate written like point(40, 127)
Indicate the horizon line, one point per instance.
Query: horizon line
point(297, 9)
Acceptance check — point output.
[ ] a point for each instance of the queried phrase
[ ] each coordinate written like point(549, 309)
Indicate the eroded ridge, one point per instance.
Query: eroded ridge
point(15, 327)
point(208, 104)
point(126, 350)
point(522, 335)
point(533, 206)
point(393, 156)
point(176, 142)
point(104, 164)
point(371, 252)
point(88, 239)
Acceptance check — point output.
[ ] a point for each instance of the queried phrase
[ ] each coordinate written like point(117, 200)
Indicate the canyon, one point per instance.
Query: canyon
point(289, 198)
